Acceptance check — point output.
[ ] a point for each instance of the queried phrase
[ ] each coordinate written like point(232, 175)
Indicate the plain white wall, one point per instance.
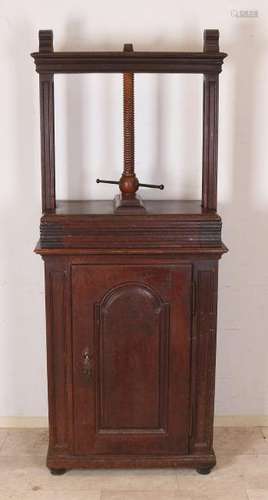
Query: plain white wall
point(89, 141)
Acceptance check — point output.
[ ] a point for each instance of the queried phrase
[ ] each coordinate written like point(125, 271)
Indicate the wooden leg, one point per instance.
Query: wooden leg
point(57, 472)
point(204, 469)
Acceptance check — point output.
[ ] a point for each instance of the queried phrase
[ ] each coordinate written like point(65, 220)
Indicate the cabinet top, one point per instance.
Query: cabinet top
point(167, 226)
point(169, 208)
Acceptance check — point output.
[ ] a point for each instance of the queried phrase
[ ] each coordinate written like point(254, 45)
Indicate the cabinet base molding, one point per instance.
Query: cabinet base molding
point(199, 462)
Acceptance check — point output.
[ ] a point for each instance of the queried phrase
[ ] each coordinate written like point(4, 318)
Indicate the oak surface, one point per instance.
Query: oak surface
point(131, 298)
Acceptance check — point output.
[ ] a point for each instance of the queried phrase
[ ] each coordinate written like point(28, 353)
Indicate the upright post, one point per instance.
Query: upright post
point(46, 88)
point(210, 126)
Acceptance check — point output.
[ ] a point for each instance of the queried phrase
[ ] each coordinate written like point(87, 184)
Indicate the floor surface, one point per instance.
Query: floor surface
point(241, 472)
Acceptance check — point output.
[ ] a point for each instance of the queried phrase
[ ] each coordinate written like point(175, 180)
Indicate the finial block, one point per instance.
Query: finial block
point(211, 40)
point(46, 41)
point(128, 47)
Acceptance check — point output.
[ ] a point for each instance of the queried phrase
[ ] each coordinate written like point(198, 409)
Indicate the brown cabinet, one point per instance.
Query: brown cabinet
point(131, 295)
point(131, 359)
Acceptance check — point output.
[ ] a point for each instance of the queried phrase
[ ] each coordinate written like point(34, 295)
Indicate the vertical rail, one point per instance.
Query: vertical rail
point(46, 89)
point(210, 127)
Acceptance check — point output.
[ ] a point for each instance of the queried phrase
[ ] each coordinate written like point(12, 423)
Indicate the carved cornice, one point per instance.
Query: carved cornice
point(121, 62)
point(57, 232)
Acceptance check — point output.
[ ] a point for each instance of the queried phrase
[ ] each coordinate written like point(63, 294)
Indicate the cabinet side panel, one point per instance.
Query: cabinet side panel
point(57, 293)
point(204, 355)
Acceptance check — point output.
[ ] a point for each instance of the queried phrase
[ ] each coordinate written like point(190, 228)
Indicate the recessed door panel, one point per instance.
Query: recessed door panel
point(131, 337)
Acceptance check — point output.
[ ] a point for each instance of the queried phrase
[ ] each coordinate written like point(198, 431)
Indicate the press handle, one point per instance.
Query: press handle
point(140, 184)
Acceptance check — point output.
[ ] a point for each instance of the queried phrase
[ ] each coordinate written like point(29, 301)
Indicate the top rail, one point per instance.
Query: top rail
point(208, 61)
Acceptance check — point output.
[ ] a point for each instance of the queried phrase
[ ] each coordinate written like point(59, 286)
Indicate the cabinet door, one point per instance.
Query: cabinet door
point(131, 348)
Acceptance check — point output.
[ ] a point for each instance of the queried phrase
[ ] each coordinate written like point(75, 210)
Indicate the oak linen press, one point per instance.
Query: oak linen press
point(131, 290)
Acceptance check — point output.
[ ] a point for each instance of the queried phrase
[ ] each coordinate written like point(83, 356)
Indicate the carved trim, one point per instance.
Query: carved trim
point(56, 232)
point(57, 358)
point(124, 62)
point(104, 461)
point(127, 284)
point(203, 357)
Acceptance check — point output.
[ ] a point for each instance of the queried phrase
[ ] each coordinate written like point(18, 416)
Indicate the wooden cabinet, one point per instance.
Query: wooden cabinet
point(131, 360)
point(131, 295)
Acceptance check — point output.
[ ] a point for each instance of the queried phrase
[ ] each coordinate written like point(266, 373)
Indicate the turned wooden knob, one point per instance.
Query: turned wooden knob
point(128, 184)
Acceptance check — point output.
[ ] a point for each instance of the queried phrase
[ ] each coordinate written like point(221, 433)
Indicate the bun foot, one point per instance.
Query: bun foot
point(57, 472)
point(204, 470)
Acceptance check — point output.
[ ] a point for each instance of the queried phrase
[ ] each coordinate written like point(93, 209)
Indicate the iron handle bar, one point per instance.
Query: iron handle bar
point(153, 186)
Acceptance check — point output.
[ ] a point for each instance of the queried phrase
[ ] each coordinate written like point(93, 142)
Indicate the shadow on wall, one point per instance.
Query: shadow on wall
point(242, 374)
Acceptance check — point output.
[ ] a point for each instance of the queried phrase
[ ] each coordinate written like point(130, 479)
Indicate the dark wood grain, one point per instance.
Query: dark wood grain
point(46, 91)
point(46, 41)
point(159, 234)
point(46, 83)
point(204, 354)
point(210, 141)
point(131, 298)
point(211, 41)
point(59, 354)
point(210, 126)
point(156, 208)
point(138, 62)
point(140, 385)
